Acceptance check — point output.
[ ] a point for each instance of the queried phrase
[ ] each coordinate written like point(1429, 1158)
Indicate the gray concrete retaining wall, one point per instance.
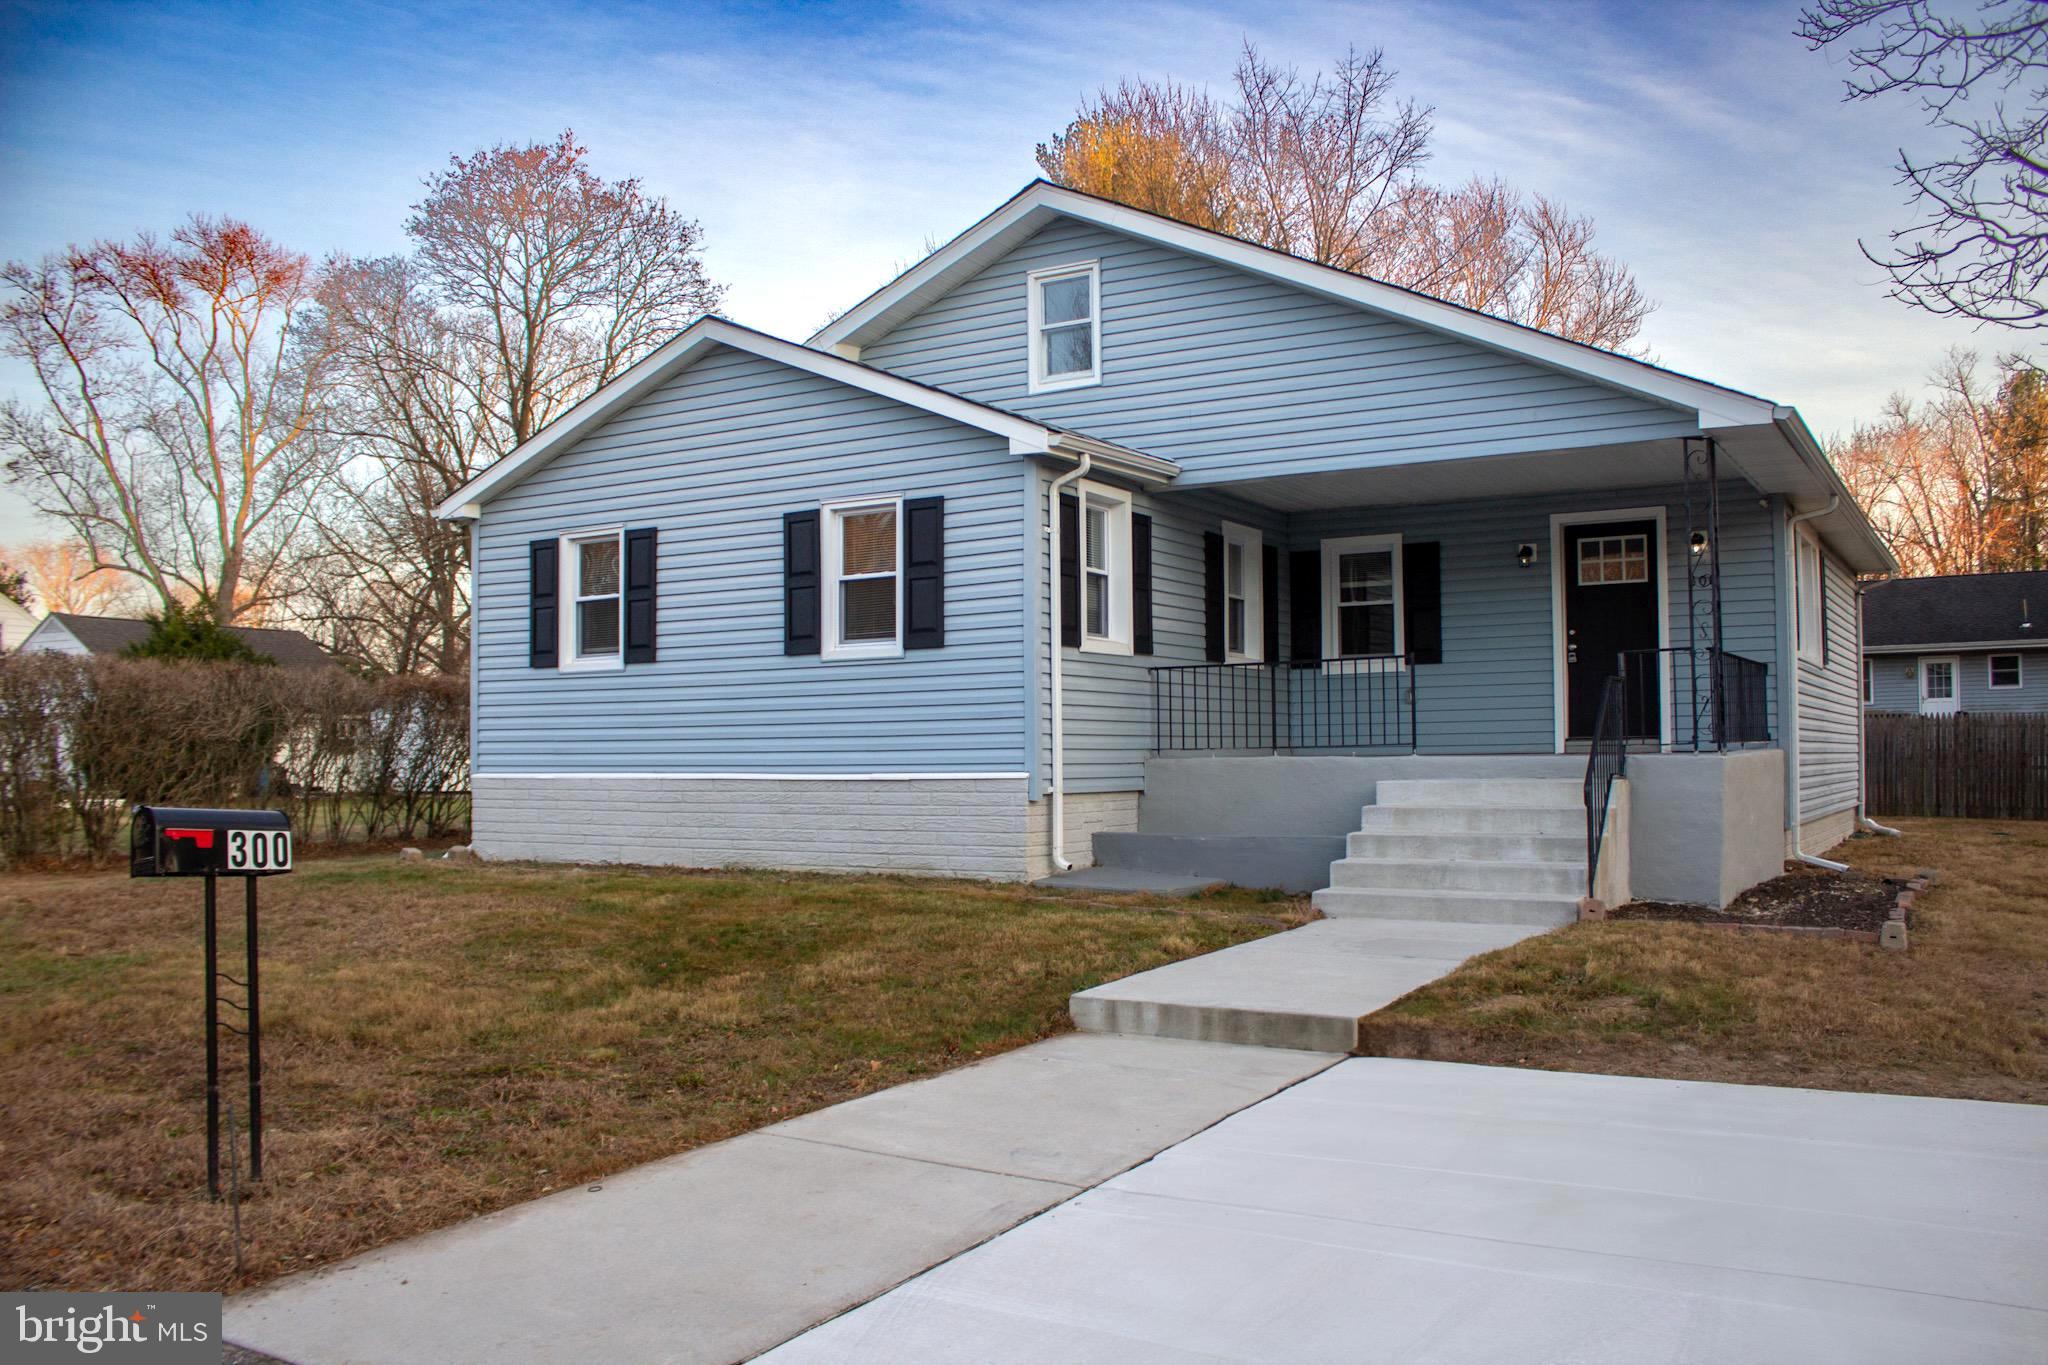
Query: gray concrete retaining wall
point(1301, 795)
point(1705, 827)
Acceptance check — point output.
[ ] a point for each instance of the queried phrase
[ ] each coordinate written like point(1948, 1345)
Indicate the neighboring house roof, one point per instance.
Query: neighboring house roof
point(1775, 450)
point(112, 634)
point(1026, 437)
point(1956, 611)
point(17, 623)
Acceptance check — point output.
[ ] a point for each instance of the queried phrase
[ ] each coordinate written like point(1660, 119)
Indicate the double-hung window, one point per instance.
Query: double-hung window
point(1244, 594)
point(1807, 584)
point(1105, 569)
point(2005, 671)
point(591, 627)
point(1065, 308)
point(1362, 597)
point(863, 552)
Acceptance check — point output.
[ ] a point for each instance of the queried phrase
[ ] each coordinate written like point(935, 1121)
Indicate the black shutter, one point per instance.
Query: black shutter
point(1422, 600)
point(640, 596)
point(1305, 606)
point(1269, 609)
point(1212, 593)
point(1141, 583)
point(1070, 571)
point(544, 585)
point(800, 634)
point(924, 573)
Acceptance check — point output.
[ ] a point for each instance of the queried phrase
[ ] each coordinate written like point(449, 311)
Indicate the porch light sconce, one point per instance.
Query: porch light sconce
point(1525, 554)
point(1699, 542)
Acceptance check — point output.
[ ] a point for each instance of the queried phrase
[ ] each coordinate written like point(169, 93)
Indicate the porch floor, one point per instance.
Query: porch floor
point(1305, 988)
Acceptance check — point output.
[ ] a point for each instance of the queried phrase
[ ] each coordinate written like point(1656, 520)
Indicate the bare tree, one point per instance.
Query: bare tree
point(176, 431)
point(1979, 246)
point(1327, 167)
point(64, 576)
point(1957, 483)
point(533, 282)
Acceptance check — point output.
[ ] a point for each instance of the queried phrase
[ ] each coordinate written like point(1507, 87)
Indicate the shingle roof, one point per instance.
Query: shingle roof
point(1956, 610)
point(112, 634)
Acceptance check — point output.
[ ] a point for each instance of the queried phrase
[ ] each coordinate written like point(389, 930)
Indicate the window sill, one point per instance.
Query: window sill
point(610, 663)
point(1090, 645)
point(1057, 385)
point(855, 653)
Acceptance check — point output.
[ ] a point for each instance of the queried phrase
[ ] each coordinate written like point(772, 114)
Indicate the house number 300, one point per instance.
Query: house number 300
point(259, 850)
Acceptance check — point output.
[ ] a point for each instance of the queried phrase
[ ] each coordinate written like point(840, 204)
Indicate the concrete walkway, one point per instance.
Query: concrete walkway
point(723, 1252)
point(1395, 1211)
point(1305, 988)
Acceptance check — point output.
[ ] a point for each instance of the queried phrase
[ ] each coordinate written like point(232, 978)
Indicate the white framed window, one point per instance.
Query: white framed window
point(862, 610)
point(1869, 681)
point(1105, 569)
point(1808, 607)
point(1362, 614)
point(2004, 671)
point(1244, 594)
point(1065, 307)
point(592, 622)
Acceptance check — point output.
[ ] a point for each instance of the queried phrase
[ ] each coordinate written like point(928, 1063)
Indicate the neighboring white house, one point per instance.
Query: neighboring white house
point(63, 632)
point(16, 622)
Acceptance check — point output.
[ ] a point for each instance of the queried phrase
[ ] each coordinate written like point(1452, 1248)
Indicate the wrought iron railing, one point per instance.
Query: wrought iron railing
point(1716, 699)
point(1607, 761)
point(1356, 703)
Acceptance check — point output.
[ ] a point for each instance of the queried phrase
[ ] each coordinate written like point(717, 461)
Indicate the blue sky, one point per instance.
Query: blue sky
point(822, 144)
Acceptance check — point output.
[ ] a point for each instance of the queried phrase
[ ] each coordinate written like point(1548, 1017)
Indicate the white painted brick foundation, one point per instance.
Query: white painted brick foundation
point(958, 827)
point(1087, 814)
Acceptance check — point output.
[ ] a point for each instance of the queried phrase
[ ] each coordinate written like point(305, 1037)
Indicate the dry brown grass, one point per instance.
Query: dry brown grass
point(441, 1041)
point(1964, 1013)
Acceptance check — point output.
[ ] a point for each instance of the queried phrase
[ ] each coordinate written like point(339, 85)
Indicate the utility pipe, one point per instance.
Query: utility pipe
point(1059, 715)
point(1792, 788)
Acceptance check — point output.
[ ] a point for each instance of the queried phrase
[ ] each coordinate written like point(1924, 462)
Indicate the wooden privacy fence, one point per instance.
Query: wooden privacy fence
point(1984, 766)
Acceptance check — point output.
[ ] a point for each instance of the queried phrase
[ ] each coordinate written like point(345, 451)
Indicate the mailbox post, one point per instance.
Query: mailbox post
point(183, 841)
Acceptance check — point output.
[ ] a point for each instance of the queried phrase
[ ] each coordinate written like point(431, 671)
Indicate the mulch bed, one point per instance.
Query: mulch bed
point(1805, 898)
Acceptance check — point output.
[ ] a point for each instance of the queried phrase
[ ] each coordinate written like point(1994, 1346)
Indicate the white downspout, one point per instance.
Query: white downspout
point(1792, 789)
point(1059, 715)
point(1863, 819)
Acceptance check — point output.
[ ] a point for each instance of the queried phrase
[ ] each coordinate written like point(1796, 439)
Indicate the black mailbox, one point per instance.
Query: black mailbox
point(186, 841)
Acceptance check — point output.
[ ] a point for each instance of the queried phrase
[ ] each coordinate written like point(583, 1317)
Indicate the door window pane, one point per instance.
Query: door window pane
point(1614, 559)
point(1940, 681)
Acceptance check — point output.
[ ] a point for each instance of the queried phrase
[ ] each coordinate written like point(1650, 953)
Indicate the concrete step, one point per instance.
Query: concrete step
point(1467, 907)
point(1426, 874)
point(1471, 820)
point(1491, 791)
point(1453, 846)
point(1284, 862)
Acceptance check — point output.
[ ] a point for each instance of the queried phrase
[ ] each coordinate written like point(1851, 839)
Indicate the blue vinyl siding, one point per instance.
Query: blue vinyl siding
point(1897, 681)
point(1239, 377)
point(1830, 701)
point(713, 458)
point(1494, 692)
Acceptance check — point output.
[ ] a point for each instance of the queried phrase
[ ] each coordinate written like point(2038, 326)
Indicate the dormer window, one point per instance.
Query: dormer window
point(1066, 326)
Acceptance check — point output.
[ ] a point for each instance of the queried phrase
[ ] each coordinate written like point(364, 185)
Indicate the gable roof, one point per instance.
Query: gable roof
point(1026, 437)
point(112, 634)
point(1768, 443)
point(1040, 202)
point(1957, 610)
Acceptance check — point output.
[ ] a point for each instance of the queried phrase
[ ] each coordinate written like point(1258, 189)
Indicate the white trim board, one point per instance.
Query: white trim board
point(1560, 720)
point(1026, 437)
point(750, 777)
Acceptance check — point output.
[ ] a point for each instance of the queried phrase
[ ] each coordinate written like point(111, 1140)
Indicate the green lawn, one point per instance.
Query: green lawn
point(445, 1040)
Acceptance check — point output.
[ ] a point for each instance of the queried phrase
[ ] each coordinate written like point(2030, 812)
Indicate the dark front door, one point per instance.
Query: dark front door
point(1610, 605)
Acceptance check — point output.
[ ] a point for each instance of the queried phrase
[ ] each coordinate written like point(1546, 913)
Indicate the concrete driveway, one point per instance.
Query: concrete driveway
point(1415, 1212)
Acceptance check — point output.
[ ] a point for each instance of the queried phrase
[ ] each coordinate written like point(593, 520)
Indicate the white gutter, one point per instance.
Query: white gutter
point(1059, 717)
point(1863, 820)
point(1792, 738)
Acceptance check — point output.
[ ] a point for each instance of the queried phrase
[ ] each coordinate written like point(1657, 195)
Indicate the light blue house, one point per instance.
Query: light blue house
point(1098, 535)
point(1963, 643)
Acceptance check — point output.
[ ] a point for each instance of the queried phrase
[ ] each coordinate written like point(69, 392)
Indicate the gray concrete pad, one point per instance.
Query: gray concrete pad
point(720, 1253)
point(1401, 1211)
point(1305, 988)
point(1129, 879)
